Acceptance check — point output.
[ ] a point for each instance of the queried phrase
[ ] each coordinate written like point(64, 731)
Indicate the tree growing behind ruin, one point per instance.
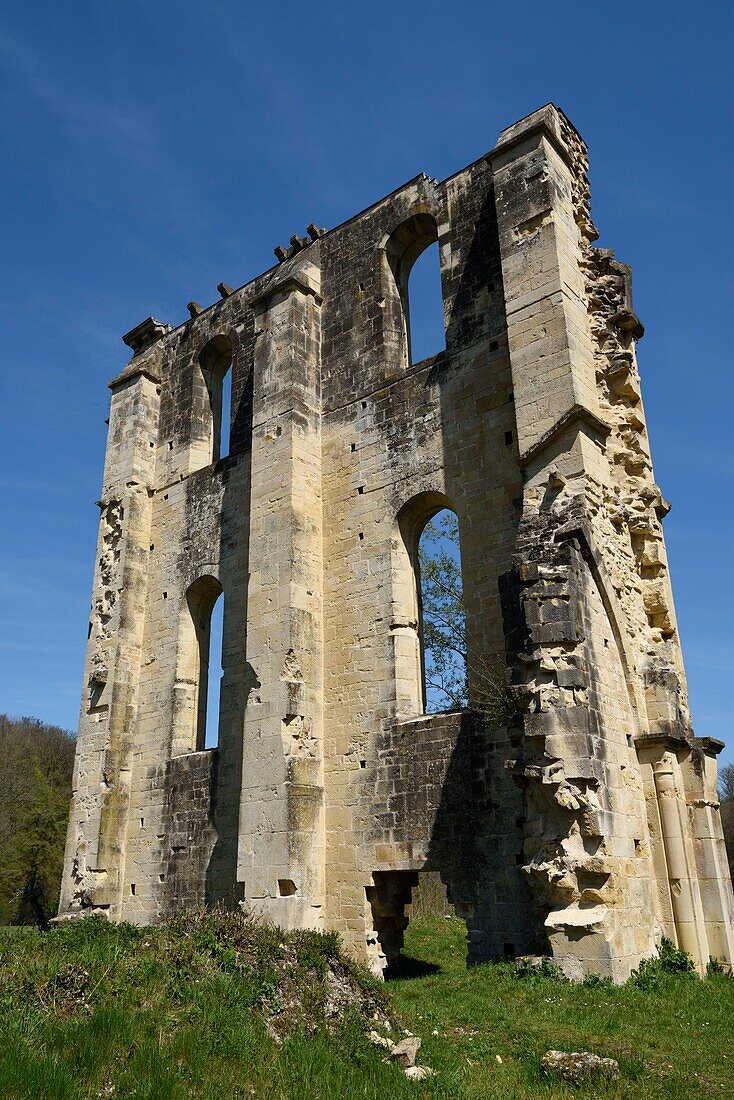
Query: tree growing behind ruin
point(726, 794)
point(443, 615)
point(36, 764)
point(444, 631)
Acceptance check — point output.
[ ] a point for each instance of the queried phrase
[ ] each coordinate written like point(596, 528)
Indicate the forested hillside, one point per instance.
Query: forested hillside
point(36, 763)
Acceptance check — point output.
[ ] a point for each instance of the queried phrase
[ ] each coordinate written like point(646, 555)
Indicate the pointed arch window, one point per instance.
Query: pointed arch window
point(198, 668)
point(215, 361)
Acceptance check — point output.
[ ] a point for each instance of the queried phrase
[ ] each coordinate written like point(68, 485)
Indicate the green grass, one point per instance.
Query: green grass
point(673, 1040)
point(190, 1010)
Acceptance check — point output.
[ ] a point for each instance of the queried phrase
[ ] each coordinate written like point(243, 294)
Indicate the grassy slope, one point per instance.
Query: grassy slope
point(180, 1013)
point(673, 1041)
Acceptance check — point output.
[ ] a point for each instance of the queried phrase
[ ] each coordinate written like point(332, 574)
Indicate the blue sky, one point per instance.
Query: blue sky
point(153, 149)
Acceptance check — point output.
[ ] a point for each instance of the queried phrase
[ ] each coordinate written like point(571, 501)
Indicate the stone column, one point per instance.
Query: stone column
point(714, 880)
point(548, 331)
point(684, 890)
point(95, 850)
point(281, 851)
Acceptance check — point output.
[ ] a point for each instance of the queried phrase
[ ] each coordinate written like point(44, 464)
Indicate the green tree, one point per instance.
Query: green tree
point(444, 631)
point(443, 615)
point(36, 763)
point(726, 794)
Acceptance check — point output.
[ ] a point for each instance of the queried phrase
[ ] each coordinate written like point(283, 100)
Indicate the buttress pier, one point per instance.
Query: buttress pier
point(575, 817)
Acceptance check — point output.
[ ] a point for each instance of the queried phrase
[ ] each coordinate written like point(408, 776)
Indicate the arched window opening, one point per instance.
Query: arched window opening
point(216, 364)
point(442, 615)
point(214, 676)
point(425, 306)
point(428, 629)
point(413, 317)
point(198, 668)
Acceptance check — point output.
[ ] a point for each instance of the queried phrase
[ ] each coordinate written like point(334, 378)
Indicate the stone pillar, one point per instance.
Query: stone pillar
point(281, 852)
point(685, 894)
point(714, 880)
point(95, 850)
point(548, 331)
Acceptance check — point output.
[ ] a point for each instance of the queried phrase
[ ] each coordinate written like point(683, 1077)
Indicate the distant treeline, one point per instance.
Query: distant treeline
point(36, 763)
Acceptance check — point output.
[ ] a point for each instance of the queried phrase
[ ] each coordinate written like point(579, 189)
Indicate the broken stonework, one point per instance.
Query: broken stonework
point(578, 817)
point(576, 1067)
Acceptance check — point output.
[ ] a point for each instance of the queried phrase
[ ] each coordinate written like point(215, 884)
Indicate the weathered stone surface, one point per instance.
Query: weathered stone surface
point(406, 1051)
point(576, 1067)
point(418, 1073)
point(586, 826)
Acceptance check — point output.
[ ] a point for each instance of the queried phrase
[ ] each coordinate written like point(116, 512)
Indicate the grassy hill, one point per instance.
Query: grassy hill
point(216, 1006)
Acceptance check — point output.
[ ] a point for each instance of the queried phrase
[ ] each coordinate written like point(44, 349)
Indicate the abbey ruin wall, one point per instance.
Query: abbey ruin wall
point(581, 820)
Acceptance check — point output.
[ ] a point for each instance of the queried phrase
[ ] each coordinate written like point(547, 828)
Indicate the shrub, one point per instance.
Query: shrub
point(671, 961)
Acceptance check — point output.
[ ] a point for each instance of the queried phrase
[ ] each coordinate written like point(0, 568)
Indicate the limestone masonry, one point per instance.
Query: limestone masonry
point(587, 826)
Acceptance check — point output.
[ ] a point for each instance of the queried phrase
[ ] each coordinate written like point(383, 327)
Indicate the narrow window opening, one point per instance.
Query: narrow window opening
point(216, 369)
point(214, 675)
point(425, 306)
point(226, 415)
point(413, 326)
point(442, 615)
point(197, 687)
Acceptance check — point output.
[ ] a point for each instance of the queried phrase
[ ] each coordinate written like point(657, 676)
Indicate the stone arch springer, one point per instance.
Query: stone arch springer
point(582, 534)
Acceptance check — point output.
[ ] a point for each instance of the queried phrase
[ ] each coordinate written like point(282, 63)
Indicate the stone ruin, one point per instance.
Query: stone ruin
point(577, 816)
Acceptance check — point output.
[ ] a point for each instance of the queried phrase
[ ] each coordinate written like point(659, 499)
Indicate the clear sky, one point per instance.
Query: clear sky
point(151, 150)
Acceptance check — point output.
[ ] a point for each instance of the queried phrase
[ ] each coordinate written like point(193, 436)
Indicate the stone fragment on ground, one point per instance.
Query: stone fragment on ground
point(576, 1066)
point(406, 1051)
point(381, 1040)
point(418, 1073)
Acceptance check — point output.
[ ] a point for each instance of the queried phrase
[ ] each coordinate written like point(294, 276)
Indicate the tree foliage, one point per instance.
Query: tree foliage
point(726, 794)
point(443, 615)
point(445, 643)
point(36, 763)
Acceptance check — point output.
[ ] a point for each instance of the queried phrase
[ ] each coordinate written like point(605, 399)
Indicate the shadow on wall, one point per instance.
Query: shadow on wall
point(238, 676)
point(453, 803)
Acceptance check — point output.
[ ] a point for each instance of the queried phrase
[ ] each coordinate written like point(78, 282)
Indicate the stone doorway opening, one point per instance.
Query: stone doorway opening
point(395, 897)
